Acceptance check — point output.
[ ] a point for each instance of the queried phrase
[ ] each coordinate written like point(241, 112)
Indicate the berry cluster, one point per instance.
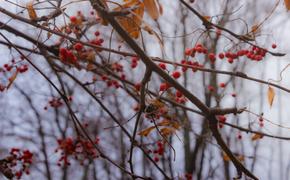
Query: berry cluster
point(158, 151)
point(67, 56)
point(164, 86)
point(254, 53)
point(110, 82)
point(221, 119)
point(134, 62)
point(191, 63)
point(54, 103)
point(17, 163)
point(261, 121)
point(21, 68)
point(188, 176)
point(80, 149)
point(179, 98)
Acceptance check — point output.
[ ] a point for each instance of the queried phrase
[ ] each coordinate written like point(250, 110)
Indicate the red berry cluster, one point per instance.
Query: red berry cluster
point(78, 148)
point(179, 98)
point(254, 53)
point(23, 68)
point(20, 68)
point(54, 103)
point(67, 56)
point(222, 119)
point(261, 121)
point(190, 63)
point(7, 68)
point(134, 62)
point(97, 41)
point(199, 48)
point(239, 135)
point(117, 67)
point(158, 152)
point(110, 82)
point(188, 176)
point(19, 162)
point(164, 86)
point(210, 88)
point(162, 66)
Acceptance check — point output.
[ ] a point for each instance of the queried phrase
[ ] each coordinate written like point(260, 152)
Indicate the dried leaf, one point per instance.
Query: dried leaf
point(12, 78)
point(207, 18)
point(48, 35)
point(271, 95)
point(131, 23)
point(241, 158)
point(157, 103)
point(287, 4)
point(165, 122)
point(103, 21)
point(152, 9)
point(160, 8)
point(226, 157)
point(256, 137)
point(255, 29)
point(31, 11)
point(166, 131)
point(146, 131)
point(175, 125)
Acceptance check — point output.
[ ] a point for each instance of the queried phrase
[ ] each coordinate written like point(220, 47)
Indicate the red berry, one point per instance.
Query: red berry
point(163, 87)
point(188, 51)
point(274, 46)
point(176, 74)
point(78, 46)
point(210, 88)
point(221, 55)
point(97, 33)
point(222, 85)
point(73, 19)
point(230, 60)
point(134, 65)
point(222, 118)
point(137, 86)
point(211, 57)
point(178, 94)
point(162, 66)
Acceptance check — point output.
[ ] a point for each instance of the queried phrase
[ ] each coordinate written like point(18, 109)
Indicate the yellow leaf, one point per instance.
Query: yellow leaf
point(287, 4)
point(146, 132)
point(12, 78)
point(256, 137)
point(271, 95)
point(31, 11)
point(152, 8)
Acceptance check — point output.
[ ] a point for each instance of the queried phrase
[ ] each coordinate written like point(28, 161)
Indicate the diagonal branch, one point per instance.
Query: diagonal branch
point(151, 65)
